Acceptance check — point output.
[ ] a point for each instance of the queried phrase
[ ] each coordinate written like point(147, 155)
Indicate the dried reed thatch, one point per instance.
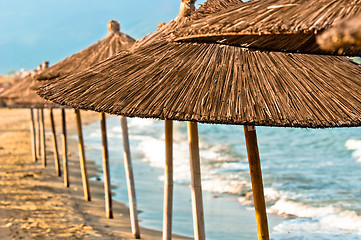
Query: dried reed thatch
point(165, 30)
point(212, 6)
point(13, 91)
point(345, 35)
point(21, 95)
point(275, 25)
point(114, 42)
point(216, 83)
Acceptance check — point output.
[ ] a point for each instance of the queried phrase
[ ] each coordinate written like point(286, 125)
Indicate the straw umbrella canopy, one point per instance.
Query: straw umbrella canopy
point(275, 25)
point(11, 97)
point(13, 91)
point(344, 35)
point(22, 95)
point(114, 42)
point(215, 83)
point(157, 57)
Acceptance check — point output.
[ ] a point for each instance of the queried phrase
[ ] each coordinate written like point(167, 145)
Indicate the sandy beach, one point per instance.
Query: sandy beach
point(34, 202)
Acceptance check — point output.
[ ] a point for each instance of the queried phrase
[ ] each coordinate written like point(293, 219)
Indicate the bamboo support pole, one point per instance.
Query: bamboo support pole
point(106, 171)
point(130, 179)
point(55, 144)
point(38, 132)
point(168, 181)
point(43, 140)
point(84, 174)
point(256, 179)
point(196, 185)
point(65, 149)
point(33, 135)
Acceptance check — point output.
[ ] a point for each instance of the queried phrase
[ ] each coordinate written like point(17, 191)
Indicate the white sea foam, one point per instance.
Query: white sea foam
point(232, 167)
point(116, 129)
point(306, 219)
point(221, 185)
point(95, 134)
point(140, 122)
point(315, 219)
point(353, 144)
point(288, 207)
point(271, 195)
point(308, 229)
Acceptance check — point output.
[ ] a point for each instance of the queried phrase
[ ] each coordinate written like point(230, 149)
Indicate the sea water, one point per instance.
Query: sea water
point(312, 178)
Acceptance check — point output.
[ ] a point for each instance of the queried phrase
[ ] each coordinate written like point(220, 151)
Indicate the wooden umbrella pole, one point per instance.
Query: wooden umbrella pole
point(106, 171)
point(43, 140)
point(55, 144)
point(256, 179)
point(33, 135)
point(168, 181)
point(130, 179)
point(196, 185)
point(84, 174)
point(65, 149)
point(38, 132)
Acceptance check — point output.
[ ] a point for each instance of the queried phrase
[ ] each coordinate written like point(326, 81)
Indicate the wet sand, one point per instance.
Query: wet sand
point(34, 204)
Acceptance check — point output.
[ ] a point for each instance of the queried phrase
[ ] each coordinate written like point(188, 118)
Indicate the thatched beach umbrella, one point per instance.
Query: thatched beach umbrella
point(283, 29)
point(186, 8)
point(273, 25)
point(21, 95)
point(288, 26)
point(214, 83)
point(8, 96)
point(344, 35)
point(114, 42)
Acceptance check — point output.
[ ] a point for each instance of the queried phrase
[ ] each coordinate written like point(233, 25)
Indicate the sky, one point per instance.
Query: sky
point(34, 31)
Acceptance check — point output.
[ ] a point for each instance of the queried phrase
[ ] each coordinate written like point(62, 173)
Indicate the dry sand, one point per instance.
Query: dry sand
point(34, 204)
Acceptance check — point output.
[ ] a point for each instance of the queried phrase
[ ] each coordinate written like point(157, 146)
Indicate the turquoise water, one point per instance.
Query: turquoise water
point(312, 178)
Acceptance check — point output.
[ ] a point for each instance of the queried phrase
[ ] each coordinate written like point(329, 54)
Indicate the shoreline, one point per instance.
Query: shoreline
point(71, 216)
point(147, 146)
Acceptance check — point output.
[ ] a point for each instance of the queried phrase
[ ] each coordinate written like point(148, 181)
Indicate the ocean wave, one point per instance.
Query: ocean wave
point(220, 185)
point(301, 217)
point(316, 219)
point(219, 170)
point(271, 196)
point(353, 144)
